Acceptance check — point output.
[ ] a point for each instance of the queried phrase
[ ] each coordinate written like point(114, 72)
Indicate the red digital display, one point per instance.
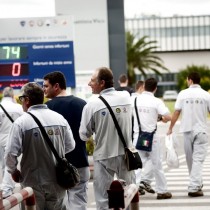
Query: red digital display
point(32, 60)
point(13, 83)
point(15, 69)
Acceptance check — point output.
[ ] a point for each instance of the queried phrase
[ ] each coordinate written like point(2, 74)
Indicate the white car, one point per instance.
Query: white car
point(170, 95)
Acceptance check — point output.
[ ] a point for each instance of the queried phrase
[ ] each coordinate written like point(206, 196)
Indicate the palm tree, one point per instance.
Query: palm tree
point(140, 56)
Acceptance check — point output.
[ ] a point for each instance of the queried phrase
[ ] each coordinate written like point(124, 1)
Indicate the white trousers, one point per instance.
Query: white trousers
point(195, 146)
point(49, 196)
point(146, 174)
point(155, 157)
point(7, 182)
point(104, 171)
point(77, 196)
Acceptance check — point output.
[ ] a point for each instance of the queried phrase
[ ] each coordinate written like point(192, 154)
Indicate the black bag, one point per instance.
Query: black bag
point(144, 141)
point(67, 175)
point(132, 159)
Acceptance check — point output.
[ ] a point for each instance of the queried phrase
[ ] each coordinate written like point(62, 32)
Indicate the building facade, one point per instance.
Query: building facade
point(99, 38)
point(182, 41)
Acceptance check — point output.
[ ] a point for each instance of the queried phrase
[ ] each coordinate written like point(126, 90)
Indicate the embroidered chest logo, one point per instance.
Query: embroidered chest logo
point(118, 110)
point(57, 131)
point(125, 110)
point(36, 134)
point(103, 113)
point(50, 132)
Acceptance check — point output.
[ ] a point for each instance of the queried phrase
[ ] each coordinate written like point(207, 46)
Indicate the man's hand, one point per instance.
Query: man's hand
point(169, 132)
point(16, 176)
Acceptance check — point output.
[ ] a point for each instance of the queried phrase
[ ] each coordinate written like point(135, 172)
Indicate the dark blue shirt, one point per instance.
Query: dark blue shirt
point(71, 108)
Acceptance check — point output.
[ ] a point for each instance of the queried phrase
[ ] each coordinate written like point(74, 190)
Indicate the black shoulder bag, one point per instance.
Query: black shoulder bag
point(132, 158)
point(145, 139)
point(7, 113)
point(67, 175)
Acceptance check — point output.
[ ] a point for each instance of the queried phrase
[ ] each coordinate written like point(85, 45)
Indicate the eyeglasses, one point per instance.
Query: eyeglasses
point(22, 97)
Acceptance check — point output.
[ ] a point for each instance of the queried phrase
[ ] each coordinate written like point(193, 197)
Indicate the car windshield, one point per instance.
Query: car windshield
point(170, 93)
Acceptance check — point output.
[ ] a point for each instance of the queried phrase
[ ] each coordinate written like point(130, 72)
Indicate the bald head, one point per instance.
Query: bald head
point(8, 92)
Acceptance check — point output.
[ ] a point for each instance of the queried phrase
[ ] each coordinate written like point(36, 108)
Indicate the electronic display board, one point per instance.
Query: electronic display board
point(36, 52)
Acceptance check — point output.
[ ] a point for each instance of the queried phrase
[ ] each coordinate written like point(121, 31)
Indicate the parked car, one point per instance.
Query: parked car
point(170, 95)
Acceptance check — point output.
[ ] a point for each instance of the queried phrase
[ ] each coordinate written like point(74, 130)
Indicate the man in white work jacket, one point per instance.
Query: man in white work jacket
point(194, 104)
point(109, 153)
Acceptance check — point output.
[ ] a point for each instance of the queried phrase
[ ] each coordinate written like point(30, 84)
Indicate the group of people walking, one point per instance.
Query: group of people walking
point(70, 121)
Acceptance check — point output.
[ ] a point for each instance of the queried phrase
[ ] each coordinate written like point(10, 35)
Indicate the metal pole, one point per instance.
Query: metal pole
point(135, 202)
point(26, 194)
point(121, 196)
point(1, 198)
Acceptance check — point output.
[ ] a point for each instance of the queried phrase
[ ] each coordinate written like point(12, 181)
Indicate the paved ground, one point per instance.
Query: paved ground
point(177, 180)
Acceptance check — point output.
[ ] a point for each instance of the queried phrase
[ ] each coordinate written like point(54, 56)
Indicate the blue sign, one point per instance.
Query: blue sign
point(29, 62)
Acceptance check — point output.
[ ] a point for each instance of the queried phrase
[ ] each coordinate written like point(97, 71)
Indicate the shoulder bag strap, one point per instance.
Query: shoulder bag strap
point(137, 115)
point(115, 121)
point(7, 113)
point(138, 119)
point(46, 137)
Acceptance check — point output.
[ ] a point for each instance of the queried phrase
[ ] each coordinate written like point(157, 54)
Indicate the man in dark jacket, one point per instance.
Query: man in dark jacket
point(71, 108)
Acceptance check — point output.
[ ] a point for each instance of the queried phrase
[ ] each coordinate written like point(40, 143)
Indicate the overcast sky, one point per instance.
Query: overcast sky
point(166, 7)
point(26, 8)
point(34, 8)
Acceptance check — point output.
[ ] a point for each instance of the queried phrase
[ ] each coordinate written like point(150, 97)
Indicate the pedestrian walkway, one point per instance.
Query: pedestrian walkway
point(177, 180)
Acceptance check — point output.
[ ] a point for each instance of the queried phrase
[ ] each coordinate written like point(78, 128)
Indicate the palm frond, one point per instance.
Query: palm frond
point(140, 55)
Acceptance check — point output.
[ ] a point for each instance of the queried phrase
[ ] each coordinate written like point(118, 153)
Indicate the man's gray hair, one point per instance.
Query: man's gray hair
point(34, 92)
point(8, 92)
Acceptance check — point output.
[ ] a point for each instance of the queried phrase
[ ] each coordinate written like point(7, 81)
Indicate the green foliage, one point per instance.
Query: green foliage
point(170, 105)
point(204, 72)
point(90, 146)
point(46, 100)
point(140, 56)
point(17, 98)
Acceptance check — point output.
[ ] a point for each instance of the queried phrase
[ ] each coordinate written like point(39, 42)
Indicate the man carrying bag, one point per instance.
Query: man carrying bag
point(38, 164)
point(109, 151)
point(148, 108)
